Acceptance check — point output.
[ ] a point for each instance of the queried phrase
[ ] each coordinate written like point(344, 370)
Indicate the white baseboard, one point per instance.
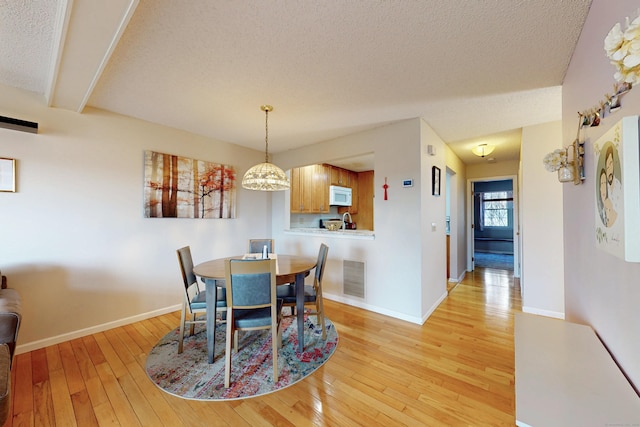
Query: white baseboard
point(35, 345)
point(546, 313)
point(375, 309)
point(459, 279)
point(390, 313)
point(433, 307)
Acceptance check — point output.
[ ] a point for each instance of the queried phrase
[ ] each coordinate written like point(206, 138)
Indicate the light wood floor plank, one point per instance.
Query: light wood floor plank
point(23, 392)
point(84, 413)
point(118, 399)
point(74, 380)
point(44, 414)
point(61, 398)
point(455, 370)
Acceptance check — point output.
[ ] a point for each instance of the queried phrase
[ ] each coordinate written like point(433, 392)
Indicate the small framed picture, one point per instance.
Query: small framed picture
point(7, 175)
point(435, 179)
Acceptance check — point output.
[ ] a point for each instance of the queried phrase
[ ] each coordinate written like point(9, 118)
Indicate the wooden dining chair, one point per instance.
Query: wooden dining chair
point(312, 294)
point(256, 245)
point(252, 305)
point(194, 301)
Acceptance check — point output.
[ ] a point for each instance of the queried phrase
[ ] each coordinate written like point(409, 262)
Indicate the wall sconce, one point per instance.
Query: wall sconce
point(568, 162)
point(483, 150)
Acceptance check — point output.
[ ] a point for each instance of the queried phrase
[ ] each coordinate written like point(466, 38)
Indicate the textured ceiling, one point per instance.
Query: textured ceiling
point(472, 69)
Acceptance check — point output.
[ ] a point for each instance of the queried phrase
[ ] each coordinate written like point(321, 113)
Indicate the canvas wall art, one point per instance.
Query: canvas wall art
point(180, 187)
point(617, 188)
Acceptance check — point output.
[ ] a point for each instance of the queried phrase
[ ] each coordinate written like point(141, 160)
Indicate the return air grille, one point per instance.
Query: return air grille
point(353, 278)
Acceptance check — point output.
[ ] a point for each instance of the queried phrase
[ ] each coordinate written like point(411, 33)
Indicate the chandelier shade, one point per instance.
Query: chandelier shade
point(265, 176)
point(483, 150)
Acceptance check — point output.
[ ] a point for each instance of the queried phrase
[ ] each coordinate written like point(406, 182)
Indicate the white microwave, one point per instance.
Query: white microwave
point(339, 196)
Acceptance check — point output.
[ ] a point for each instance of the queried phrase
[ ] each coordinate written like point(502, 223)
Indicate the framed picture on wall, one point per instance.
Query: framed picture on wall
point(435, 180)
point(7, 174)
point(617, 190)
point(182, 187)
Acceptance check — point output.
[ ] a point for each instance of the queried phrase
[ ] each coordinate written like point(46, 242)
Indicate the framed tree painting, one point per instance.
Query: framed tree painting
point(180, 187)
point(435, 181)
point(617, 190)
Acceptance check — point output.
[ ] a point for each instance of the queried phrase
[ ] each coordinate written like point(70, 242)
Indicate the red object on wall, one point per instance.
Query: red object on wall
point(385, 186)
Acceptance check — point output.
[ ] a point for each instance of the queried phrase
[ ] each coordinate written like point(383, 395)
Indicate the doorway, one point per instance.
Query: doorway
point(493, 239)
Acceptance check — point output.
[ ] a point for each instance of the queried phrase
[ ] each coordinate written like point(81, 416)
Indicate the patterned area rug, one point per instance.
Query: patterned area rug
point(188, 375)
point(489, 260)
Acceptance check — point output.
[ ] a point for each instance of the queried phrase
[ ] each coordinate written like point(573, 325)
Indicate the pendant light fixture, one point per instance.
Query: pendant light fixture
point(265, 176)
point(483, 150)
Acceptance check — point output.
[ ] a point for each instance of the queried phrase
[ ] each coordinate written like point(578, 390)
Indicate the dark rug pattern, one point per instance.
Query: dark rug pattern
point(489, 260)
point(190, 376)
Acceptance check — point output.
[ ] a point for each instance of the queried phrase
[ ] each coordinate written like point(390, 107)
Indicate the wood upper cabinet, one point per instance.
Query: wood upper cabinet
point(310, 189)
point(352, 180)
point(340, 176)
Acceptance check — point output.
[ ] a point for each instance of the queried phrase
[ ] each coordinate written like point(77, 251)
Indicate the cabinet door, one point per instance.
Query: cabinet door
point(353, 184)
point(320, 189)
point(339, 176)
point(296, 190)
point(309, 189)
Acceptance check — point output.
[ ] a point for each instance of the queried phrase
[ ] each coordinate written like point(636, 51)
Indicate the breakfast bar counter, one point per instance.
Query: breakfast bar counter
point(340, 234)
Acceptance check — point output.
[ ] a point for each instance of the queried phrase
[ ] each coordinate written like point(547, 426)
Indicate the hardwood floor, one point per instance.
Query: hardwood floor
point(455, 370)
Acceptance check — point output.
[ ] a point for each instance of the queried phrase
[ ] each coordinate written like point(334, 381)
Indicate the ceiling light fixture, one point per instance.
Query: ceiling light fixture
point(265, 176)
point(483, 150)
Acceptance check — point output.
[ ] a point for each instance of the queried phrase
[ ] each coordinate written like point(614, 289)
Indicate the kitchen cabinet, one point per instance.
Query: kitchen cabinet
point(364, 218)
point(352, 179)
point(340, 176)
point(310, 189)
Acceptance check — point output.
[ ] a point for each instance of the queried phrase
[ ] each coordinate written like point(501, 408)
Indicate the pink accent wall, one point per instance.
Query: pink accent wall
point(600, 290)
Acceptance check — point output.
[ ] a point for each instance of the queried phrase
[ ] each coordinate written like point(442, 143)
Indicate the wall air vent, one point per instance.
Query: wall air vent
point(16, 124)
point(353, 278)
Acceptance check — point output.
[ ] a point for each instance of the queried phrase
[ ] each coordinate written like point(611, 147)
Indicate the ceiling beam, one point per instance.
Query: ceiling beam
point(87, 32)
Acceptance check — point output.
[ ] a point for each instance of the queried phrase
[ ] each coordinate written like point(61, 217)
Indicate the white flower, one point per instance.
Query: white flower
point(555, 160)
point(623, 49)
point(633, 30)
point(613, 41)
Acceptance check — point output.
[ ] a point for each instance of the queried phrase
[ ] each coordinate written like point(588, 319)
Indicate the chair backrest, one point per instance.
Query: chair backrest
point(186, 266)
point(322, 259)
point(250, 283)
point(256, 245)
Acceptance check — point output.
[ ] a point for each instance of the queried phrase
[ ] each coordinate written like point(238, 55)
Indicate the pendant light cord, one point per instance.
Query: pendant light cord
point(266, 135)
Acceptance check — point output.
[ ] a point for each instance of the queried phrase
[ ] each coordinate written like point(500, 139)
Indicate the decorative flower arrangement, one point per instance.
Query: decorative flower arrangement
point(555, 160)
point(623, 49)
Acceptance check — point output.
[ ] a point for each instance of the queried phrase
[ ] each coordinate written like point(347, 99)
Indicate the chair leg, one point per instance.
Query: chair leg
point(275, 335)
point(320, 317)
point(183, 319)
point(227, 356)
point(193, 325)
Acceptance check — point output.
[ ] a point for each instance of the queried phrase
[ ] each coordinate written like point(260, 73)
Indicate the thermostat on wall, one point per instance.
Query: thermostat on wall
point(407, 183)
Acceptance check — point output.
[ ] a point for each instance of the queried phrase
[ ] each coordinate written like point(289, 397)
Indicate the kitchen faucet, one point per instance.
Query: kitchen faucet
point(344, 223)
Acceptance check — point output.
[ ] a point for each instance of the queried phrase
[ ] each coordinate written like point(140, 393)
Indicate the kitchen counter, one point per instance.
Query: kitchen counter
point(340, 234)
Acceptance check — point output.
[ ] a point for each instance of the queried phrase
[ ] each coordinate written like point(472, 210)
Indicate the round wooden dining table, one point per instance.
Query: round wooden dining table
point(290, 269)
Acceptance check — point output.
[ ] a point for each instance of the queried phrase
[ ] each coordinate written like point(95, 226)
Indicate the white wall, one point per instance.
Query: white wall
point(74, 241)
point(499, 168)
point(459, 226)
point(541, 278)
point(433, 216)
point(600, 290)
point(396, 259)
